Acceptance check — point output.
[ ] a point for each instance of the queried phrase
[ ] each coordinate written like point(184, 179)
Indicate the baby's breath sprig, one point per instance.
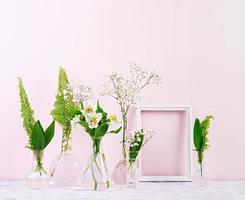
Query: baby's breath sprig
point(82, 93)
point(126, 89)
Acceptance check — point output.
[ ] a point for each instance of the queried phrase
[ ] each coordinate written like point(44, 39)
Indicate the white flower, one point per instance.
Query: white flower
point(93, 119)
point(75, 120)
point(114, 123)
point(88, 110)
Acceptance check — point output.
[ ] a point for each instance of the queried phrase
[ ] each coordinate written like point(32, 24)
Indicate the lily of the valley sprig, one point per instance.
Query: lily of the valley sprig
point(136, 141)
point(125, 90)
point(38, 139)
point(200, 138)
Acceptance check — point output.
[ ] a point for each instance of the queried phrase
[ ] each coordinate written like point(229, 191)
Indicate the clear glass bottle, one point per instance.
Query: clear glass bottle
point(133, 172)
point(38, 177)
point(199, 176)
point(95, 176)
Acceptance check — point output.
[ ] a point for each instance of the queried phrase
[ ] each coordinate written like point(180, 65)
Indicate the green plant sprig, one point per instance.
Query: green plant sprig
point(27, 113)
point(38, 139)
point(64, 103)
point(200, 136)
point(135, 146)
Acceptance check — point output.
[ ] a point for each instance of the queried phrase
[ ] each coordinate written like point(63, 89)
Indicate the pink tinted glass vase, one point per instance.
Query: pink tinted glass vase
point(119, 175)
point(65, 170)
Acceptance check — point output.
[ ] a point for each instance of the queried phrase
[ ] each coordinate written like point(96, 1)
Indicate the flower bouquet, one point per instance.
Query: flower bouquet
point(97, 123)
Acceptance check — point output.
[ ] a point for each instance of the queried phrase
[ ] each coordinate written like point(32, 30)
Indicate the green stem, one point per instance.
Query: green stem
point(95, 181)
point(39, 164)
point(106, 170)
point(124, 137)
point(201, 169)
point(53, 171)
point(66, 138)
point(98, 166)
point(200, 161)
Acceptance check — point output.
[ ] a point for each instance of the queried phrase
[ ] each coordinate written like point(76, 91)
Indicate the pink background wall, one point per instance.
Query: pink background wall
point(197, 47)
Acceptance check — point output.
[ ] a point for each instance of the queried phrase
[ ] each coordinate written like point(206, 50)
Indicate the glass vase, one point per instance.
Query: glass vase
point(95, 176)
point(199, 176)
point(132, 172)
point(38, 177)
point(119, 175)
point(65, 170)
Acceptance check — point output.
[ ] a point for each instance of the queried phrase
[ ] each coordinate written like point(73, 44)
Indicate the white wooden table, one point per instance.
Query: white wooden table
point(228, 190)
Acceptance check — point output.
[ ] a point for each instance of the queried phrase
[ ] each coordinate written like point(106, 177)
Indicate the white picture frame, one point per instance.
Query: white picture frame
point(187, 110)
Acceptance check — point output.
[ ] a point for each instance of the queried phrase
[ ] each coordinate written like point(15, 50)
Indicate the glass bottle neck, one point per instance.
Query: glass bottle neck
point(97, 145)
point(201, 168)
point(37, 164)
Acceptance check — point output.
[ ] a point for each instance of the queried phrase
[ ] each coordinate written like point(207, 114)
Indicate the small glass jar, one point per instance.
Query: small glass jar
point(199, 176)
point(133, 172)
point(38, 177)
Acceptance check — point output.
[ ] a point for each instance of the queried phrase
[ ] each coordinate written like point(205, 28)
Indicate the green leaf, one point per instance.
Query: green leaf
point(84, 124)
point(81, 104)
point(101, 130)
point(87, 129)
point(132, 156)
point(49, 133)
point(116, 131)
point(37, 137)
point(104, 118)
point(98, 108)
point(198, 136)
point(73, 112)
